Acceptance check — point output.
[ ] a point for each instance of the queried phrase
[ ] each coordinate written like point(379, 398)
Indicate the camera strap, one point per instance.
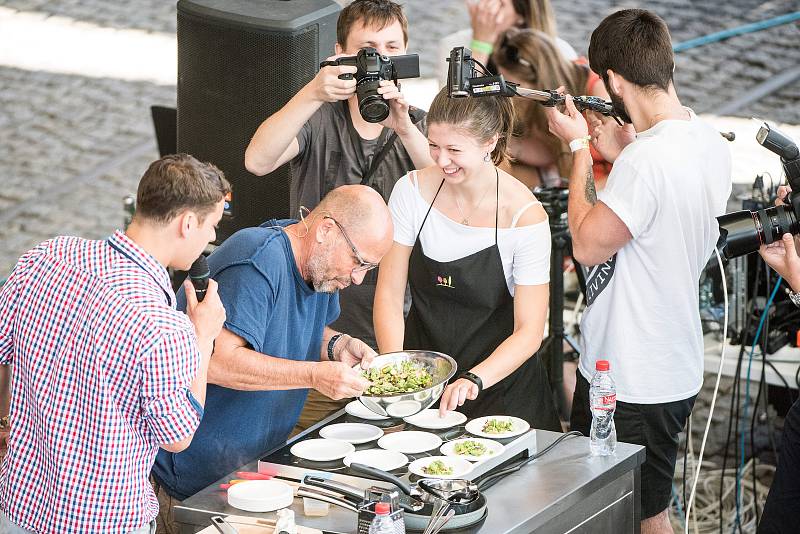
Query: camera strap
point(384, 145)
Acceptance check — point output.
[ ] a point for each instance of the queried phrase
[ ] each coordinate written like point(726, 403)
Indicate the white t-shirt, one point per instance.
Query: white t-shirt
point(667, 187)
point(524, 250)
point(463, 38)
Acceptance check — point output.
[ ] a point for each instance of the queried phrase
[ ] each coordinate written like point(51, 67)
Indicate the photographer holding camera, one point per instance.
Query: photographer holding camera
point(781, 514)
point(649, 236)
point(322, 134)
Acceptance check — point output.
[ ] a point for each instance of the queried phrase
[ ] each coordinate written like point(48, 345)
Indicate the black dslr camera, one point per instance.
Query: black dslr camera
point(372, 68)
point(743, 232)
point(465, 80)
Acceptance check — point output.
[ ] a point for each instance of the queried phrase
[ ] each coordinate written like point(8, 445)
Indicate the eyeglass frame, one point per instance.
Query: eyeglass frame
point(363, 266)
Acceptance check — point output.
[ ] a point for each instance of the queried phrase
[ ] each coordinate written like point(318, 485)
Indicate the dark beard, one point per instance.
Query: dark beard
point(619, 106)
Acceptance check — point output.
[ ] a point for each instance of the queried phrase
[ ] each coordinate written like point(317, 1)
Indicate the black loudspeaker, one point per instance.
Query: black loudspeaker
point(240, 61)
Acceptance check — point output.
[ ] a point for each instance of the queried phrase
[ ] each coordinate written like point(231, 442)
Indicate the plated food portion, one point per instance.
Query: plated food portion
point(473, 449)
point(497, 426)
point(440, 467)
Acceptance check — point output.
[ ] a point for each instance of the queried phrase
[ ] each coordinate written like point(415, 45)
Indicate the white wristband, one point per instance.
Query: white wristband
point(579, 143)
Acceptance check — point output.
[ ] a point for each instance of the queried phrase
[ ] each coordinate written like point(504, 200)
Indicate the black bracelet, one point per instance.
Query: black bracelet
point(332, 343)
point(475, 379)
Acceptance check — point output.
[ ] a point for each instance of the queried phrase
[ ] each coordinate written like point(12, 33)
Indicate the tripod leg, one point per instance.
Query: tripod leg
point(556, 337)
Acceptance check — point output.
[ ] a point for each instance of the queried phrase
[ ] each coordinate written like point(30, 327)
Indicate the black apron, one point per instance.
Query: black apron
point(463, 308)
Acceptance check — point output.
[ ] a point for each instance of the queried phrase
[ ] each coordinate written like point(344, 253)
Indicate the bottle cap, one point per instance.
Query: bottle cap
point(601, 365)
point(382, 508)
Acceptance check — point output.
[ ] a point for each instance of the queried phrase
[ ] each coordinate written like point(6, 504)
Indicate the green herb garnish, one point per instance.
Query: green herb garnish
point(392, 379)
point(471, 448)
point(437, 467)
point(498, 426)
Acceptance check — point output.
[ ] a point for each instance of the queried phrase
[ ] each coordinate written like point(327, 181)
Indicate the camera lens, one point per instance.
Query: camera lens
point(743, 232)
point(371, 105)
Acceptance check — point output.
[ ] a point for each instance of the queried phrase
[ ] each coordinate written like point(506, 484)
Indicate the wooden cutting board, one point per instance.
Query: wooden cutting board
point(251, 525)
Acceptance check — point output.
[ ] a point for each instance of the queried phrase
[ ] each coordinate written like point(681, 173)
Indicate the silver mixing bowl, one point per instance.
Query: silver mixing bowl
point(441, 367)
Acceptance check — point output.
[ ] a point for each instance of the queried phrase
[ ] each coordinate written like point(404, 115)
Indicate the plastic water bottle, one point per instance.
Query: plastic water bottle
point(603, 402)
point(383, 522)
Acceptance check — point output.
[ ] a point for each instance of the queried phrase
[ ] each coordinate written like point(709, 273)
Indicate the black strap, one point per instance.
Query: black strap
point(475, 379)
point(385, 144)
point(497, 202)
point(134, 260)
point(378, 156)
point(496, 207)
point(416, 175)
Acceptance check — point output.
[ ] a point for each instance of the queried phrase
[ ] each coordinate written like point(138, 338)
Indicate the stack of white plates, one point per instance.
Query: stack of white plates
point(260, 495)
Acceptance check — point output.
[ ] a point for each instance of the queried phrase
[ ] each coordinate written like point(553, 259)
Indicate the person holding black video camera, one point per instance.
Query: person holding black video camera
point(648, 236)
point(322, 134)
point(781, 514)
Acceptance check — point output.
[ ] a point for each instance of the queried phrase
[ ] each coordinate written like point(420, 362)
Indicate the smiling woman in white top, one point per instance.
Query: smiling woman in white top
point(474, 245)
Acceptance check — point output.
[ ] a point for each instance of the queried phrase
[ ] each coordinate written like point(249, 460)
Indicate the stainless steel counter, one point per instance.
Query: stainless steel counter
point(564, 491)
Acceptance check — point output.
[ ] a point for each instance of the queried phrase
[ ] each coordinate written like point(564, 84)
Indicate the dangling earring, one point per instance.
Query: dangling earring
point(487, 158)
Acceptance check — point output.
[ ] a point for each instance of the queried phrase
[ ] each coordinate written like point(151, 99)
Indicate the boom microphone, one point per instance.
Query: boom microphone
point(199, 274)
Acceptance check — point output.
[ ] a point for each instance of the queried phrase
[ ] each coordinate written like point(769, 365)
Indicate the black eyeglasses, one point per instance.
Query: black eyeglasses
point(363, 266)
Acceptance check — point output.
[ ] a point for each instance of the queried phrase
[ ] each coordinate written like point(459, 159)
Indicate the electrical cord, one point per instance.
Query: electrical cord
point(492, 479)
point(713, 397)
point(707, 510)
point(734, 404)
point(759, 330)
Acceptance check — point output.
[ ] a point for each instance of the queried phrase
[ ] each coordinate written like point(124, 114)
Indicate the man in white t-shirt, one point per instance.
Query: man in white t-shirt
point(647, 238)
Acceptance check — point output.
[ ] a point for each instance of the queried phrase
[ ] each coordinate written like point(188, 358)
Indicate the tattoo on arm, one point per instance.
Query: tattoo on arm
point(589, 191)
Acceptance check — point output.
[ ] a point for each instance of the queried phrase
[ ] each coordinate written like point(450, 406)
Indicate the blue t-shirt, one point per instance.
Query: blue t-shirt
point(270, 306)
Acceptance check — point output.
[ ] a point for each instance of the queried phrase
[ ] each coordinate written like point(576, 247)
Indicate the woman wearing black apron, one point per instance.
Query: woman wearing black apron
point(474, 245)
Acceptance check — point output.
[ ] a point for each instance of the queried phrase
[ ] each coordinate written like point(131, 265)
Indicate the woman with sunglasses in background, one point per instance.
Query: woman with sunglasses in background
point(489, 19)
point(474, 245)
point(532, 59)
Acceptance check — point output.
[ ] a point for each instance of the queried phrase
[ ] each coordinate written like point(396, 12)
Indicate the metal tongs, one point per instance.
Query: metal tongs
point(441, 515)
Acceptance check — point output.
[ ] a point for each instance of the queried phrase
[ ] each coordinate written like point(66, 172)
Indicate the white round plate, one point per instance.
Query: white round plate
point(322, 450)
point(377, 458)
point(460, 466)
point(352, 432)
point(493, 448)
point(260, 495)
point(410, 441)
point(356, 409)
point(475, 427)
point(430, 419)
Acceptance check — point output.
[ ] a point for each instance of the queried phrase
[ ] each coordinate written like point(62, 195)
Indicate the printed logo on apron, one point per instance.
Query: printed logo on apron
point(599, 278)
point(445, 281)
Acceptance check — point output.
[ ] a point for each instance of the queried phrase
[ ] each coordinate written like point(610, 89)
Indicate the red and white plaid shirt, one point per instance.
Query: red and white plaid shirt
point(102, 364)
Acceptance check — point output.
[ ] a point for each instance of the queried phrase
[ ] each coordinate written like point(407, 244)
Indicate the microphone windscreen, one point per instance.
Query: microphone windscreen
point(199, 274)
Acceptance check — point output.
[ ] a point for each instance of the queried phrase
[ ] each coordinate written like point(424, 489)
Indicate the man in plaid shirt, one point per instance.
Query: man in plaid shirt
point(105, 370)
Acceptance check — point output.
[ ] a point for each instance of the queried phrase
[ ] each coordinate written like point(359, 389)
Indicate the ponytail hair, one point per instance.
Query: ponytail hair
point(481, 117)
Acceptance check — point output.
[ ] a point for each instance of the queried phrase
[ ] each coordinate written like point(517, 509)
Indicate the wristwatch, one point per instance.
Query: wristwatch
point(331, 344)
point(475, 379)
point(795, 298)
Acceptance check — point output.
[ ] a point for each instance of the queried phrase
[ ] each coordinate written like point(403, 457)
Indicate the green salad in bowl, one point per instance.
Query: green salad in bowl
point(404, 377)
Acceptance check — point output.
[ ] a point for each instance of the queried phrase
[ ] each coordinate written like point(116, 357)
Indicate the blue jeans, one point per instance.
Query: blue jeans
point(8, 527)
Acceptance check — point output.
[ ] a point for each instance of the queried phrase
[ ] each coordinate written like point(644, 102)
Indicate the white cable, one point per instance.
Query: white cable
point(714, 396)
